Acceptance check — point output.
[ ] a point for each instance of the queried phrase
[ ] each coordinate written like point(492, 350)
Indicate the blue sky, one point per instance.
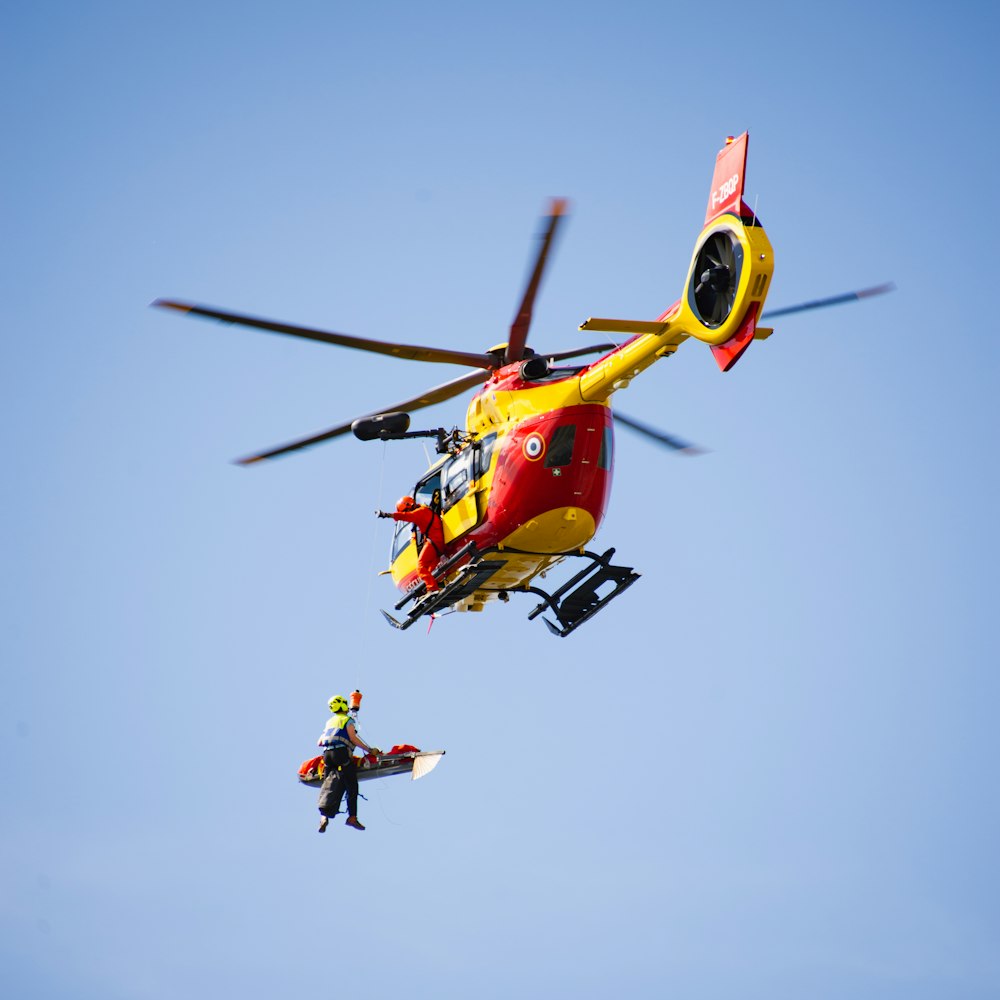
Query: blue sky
point(767, 771)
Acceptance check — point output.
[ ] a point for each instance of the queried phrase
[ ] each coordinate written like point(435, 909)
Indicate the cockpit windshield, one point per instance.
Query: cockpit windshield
point(401, 538)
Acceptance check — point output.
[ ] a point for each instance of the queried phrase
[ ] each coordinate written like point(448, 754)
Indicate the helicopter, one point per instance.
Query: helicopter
point(526, 484)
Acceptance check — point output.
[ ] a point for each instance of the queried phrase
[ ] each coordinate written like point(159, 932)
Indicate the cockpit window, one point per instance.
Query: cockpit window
point(560, 449)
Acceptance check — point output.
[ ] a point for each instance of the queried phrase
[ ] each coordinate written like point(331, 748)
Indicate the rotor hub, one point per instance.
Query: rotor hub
point(719, 278)
point(716, 277)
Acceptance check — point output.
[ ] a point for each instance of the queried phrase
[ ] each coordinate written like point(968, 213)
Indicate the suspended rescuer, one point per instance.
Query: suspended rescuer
point(427, 520)
point(338, 741)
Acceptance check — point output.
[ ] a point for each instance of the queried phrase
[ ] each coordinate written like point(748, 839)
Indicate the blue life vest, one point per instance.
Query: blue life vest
point(335, 734)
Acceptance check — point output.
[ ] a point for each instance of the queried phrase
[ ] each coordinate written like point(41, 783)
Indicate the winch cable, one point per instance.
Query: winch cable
point(372, 572)
point(381, 806)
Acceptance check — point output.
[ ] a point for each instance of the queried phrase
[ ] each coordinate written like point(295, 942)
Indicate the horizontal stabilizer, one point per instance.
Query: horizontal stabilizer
point(625, 326)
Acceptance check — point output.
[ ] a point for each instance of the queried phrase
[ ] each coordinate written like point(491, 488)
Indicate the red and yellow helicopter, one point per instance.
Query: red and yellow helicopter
point(526, 484)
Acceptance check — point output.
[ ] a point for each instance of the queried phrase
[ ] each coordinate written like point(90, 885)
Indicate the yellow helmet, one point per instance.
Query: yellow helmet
point(338, 704)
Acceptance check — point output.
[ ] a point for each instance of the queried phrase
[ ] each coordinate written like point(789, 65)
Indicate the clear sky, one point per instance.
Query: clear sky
point(767, 771)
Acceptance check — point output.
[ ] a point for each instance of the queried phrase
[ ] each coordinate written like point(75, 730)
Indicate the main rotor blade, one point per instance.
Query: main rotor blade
point(408, 351)
point(593, 349)
point(834, 300)
point(522, 319)
point(660, 437)
point(436, 395)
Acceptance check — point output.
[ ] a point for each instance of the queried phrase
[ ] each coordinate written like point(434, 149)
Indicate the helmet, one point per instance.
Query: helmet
point(338, 704)
point(405, 503)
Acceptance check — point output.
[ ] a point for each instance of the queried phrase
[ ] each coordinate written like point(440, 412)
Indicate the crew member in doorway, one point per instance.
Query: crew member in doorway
point(338, 741)
point(427, 520)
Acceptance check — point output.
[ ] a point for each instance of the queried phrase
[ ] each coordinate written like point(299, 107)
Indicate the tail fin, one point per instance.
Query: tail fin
point(727, 181)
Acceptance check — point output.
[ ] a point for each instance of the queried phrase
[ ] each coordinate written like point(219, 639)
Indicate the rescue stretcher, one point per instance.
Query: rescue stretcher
point(401, 759)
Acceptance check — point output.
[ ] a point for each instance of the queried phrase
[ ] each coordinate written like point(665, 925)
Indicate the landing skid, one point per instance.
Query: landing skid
point(572, 604)
point(572, 607)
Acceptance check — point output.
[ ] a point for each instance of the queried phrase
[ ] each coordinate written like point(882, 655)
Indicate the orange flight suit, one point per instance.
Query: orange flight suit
point(429, 524)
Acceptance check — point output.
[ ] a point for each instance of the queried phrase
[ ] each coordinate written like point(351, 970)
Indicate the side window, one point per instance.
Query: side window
point(607, 450)
point(424, 492)
point(560, 450)
point(456, 477)
point(483, 455)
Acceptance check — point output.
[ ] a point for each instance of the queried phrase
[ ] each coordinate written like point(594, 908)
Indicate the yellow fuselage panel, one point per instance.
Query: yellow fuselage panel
point(405, 564)
point(517, 571)
point(496, 409)
point(559, 530)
